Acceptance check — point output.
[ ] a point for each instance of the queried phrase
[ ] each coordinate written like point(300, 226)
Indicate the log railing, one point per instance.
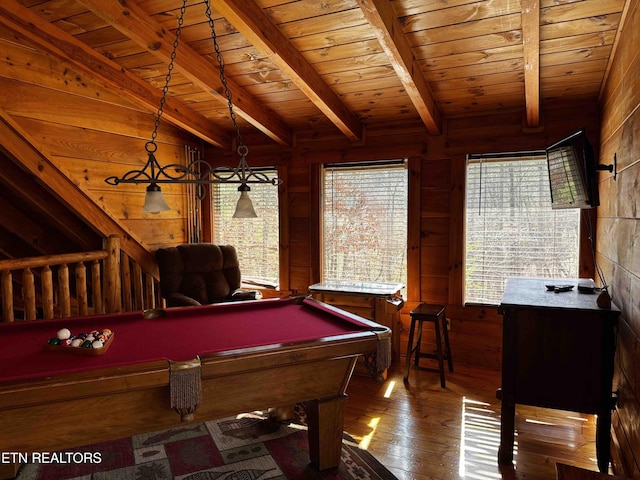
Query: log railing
point(85, 283)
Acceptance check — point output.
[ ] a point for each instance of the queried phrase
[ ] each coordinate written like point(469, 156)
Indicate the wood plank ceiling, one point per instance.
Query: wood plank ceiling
point(333, 65)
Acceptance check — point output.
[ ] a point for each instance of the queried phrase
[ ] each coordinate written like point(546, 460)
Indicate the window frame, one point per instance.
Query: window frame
point(405, 162)
point(272, 171)
point(586, 225)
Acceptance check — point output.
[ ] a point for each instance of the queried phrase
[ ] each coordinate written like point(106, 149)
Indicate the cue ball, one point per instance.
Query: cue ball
point(63, 334)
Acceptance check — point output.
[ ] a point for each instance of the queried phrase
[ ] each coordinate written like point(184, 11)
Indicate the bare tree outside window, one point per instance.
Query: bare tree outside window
point(365, 223)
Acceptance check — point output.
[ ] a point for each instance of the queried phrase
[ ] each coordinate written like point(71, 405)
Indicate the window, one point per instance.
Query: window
point(511, 230)
point(255, 239)
point(365, 222)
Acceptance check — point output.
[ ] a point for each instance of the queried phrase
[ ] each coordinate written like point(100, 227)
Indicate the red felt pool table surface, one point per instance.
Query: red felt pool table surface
point(181, 335)
point(250, 355)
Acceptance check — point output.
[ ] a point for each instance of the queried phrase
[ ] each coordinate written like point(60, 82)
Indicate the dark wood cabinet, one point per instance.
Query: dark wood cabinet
point(557, 352)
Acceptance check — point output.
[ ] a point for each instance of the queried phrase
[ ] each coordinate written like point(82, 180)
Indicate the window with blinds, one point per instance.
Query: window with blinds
point(255, 239)
point(364, 223)
point(511, 230)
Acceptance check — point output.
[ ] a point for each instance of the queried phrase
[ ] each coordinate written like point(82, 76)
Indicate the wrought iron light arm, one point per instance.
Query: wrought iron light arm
point(198, 172)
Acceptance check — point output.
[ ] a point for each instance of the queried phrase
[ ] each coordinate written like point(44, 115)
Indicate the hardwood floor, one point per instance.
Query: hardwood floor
point(421, 431)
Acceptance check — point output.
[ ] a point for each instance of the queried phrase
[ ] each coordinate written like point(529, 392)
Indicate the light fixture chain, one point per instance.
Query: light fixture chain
point(241, 147)
point(197, 172)
point(167, 78)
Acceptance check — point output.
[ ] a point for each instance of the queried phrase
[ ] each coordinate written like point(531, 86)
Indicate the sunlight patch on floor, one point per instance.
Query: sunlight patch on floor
point(479, 440)
point(387, 393)
point(366, 440)
point(373, 423)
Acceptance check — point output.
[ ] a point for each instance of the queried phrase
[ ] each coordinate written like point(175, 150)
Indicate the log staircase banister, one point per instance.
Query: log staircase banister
point(51, 260)
point(109, 272)
point(145, 259)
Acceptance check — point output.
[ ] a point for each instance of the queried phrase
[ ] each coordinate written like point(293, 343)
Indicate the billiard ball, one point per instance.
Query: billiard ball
point(63, 334)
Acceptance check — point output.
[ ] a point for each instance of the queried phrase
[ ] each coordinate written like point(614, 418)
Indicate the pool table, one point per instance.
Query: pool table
point(233, 358)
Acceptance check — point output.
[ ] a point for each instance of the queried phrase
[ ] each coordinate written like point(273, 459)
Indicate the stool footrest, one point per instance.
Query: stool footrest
point(429, 355)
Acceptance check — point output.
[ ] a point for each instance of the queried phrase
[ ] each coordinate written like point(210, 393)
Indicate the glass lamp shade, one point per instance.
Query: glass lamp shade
point(244, 207)
point(154, 202)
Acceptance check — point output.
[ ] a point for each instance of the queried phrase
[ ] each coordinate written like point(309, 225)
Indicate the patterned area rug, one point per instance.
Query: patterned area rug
point(249, 447)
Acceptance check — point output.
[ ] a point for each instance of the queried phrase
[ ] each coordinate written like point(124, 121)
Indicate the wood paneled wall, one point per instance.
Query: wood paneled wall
point(89, 131)
point(436, 210)
point(476, 331)
point(619, 230)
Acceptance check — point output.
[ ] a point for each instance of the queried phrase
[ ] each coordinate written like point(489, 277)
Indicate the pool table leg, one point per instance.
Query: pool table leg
point(325, 420)
point(282, 414)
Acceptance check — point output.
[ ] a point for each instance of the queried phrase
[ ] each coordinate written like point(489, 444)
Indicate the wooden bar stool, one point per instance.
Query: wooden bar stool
point(436, 314)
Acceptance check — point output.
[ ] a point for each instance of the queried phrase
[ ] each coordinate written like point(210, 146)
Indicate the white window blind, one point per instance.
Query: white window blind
point(365, 222)
point(511, 230)
point(256, 239)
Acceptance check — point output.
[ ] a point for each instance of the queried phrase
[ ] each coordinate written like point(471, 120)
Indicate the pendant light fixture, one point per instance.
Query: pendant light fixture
point(197, 172)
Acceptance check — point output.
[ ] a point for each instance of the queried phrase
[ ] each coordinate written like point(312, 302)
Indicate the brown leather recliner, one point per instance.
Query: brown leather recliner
point(200, 274)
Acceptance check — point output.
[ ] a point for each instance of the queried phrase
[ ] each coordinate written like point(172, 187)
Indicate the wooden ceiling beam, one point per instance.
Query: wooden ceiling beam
point(531, 45)
point(387, 28)
point(250, 20)
point(130, 20)
point(70, 50)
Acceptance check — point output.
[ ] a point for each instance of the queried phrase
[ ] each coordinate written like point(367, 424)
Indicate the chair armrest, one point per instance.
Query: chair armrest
point(241, 294)
point(181, 300)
